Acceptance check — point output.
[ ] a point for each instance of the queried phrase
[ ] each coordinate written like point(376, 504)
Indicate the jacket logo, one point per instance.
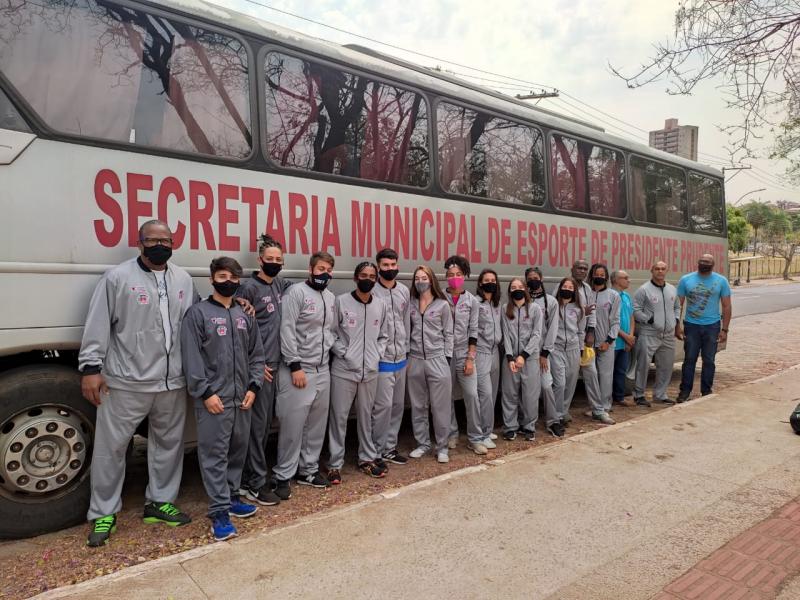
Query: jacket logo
point(219, 320)
point(180, 294)
point(241, 323)
point(143, 298)
point(270, 308)
point(653, 299)
point(222, 330)
point(376, 323)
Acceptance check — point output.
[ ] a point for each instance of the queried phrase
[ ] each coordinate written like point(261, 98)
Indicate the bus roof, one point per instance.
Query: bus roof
point(419, 76)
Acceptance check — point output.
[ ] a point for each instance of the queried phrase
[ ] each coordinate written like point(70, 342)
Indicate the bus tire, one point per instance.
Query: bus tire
point(46, 432)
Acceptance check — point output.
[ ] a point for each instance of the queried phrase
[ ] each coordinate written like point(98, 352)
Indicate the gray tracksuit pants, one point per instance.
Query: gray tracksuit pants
point(521, 396)
point(604, 363)
point(488, 368)
point(390, 402)
point(552, 410)
point(564, 366)
point(591, 384)
point(343, 392)
point(255, 466)
point(430, 389)
point(662, 351)
point(472, 404)
point(117, 418)
point(221, 450)
point(303, 414)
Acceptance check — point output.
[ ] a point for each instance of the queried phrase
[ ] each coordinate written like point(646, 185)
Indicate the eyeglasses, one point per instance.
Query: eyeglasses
point(150, 242)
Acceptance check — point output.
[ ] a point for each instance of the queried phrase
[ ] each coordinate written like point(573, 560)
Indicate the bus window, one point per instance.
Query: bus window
point(587, 178)
point(9, 117)
point(659, 193)
point(706, 206)
point(323, 119)
point(482, 155)
point(103, 70)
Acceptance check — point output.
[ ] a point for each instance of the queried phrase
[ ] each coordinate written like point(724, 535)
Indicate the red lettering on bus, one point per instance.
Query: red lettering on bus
point(330, 230)
point(253, 198)
point(137, 208)
point(400, 231)
point(109, 238)
point(522, 257)
point(298, 217)
point(360, 231)
point(505, 241)
point(494, 240)
point(171, 187)
point(274, 226)
point(227, 216)
point(200, 217)
point(426, 220)
point(449, 233)
point(476, 253)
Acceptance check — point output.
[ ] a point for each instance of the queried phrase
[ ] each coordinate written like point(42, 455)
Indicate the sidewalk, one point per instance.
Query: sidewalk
point(623, 512)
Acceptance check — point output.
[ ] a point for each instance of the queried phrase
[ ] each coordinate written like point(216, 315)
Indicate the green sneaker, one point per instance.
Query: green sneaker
point(102, 530)
point(165, 513)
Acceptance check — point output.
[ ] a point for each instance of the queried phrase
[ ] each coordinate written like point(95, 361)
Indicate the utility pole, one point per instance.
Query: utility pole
point(737, 169)
point(539, 96)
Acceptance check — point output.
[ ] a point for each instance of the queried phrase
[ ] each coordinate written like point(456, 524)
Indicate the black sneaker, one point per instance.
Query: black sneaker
point(682, 397)
point(556, 429)
point(394, 457)
point(530, 436)
point(264, 496)
point(379, 462)
point(665, 400)
point(334, 477)
point(371, 469)
point(166, 512)
point(314, 480)
point(642, 401)
point(102, 529)
point(509, 436)
point(282, 488)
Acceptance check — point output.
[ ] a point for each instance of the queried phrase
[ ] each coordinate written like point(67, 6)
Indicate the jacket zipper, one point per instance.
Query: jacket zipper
point(163, 329)
point(233, 351)
point(519, 317)
point(664, 302)
point(324, 320)
point(364, 345)
point(394, 323)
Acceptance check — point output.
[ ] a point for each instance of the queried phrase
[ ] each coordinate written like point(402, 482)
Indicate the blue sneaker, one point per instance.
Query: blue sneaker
point(240, 509)
point(221, 526)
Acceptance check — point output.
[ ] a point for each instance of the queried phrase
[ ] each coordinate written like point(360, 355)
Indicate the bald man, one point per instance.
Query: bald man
point(705, 325)
point(626, 339)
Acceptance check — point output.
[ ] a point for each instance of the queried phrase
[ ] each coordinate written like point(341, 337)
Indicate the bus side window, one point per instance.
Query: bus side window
point(705, 203)
point(10, 117)
point(659, 193)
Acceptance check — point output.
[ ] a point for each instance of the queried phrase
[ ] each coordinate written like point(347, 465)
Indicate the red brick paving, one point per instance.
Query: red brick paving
point(752, 566)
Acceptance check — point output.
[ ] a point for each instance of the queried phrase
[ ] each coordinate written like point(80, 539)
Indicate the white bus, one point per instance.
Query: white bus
point(113, 113)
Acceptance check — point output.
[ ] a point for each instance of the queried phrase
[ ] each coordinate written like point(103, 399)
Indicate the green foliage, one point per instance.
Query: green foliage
point(738, 231)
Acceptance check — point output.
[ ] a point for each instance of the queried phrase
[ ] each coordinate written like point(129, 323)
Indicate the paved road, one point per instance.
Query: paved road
point(765, 299)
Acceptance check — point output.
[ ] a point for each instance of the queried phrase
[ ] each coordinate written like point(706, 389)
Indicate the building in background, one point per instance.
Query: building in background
point(676, 139)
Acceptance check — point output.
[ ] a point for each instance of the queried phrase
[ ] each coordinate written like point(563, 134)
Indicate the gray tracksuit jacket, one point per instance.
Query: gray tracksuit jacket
point(490, 329)
point(465, 323)
point(549, 306)
point(360, 331)
point(586, 293)
point(307, 319)
point(266, 298)
point(397, 300)
point(656, 309)
point(222, 352)
point(607, 307)
point(124, 334)
point(431, 333)
point(522, 335)
point(571, 328)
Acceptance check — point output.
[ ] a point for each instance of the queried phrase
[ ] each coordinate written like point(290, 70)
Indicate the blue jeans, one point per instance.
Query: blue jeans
point(699, 340)
point(621, 361)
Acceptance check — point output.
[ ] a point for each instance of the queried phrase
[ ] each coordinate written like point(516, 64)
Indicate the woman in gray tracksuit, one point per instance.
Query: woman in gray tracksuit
point(487, 364)
point(565, 359)
point(522, 331)
point(430, 352)
point(360, 336)
point(549, 305)
point(607, 309)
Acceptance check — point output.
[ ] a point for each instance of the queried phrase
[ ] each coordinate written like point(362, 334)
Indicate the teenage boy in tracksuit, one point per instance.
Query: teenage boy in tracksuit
point(390, 398)
point(360, 327)
point(657, 310)
point(307, 321)
point(223, 361)
point(549, 305)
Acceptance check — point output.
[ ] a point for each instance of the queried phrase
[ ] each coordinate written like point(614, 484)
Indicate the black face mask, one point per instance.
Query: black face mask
point(365, 285)
point(534, 285)
point(705, 268)
point(490, 287)
point(271, 269)
point(389, 274)
point(517, 294)
point(599, 280)
point(158, 254)
point(319, 282)
point(226, 289)
point(566, 294)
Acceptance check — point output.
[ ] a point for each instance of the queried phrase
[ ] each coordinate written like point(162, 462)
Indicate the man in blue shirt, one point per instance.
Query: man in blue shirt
point(703, 293)
point(625, 339)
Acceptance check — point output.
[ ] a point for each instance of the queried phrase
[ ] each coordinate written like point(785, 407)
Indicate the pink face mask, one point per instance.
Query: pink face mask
point(455, 283)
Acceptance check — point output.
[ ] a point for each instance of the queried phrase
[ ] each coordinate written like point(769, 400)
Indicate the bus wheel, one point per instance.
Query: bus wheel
point(46, 431)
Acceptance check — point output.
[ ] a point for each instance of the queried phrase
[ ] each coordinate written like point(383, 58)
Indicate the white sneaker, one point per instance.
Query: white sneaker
point(442, 457)
point(492, 436)
point(489, 443)
point(478, 448)
point(418, 452)
point(452, 442)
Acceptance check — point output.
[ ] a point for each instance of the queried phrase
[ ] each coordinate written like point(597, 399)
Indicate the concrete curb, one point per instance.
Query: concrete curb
point(84, 589)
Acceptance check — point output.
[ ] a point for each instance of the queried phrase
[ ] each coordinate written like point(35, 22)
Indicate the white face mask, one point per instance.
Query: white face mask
point(422, 286)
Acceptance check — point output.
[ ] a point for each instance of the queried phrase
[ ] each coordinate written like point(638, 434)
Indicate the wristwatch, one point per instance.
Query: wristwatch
point(725, 330)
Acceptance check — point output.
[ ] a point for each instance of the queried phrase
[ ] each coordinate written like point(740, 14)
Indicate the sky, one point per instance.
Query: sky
point(567, 45)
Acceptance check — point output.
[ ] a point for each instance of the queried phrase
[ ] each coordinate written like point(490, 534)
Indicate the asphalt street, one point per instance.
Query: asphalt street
point(765, 299)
